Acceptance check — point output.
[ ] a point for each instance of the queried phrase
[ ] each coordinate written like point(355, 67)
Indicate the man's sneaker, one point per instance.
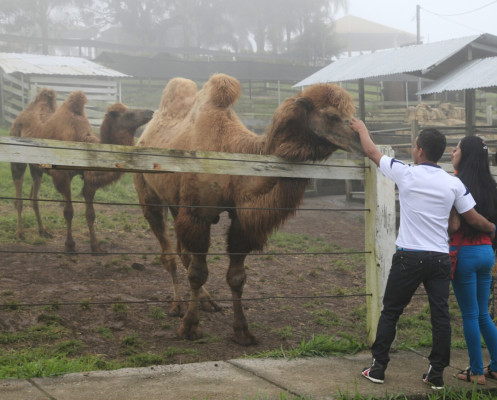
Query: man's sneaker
point(375, 373)
point(434, 379)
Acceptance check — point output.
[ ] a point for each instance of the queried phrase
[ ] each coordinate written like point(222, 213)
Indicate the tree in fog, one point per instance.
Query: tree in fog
point(38, 18)
point(276, 26)
point(302, 28)
point(313, 36)
point(140, 21)
point(283, 25)
point(202, 23)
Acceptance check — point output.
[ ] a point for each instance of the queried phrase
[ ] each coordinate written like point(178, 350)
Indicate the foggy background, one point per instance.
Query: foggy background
point(439, 19)
point(298, 30)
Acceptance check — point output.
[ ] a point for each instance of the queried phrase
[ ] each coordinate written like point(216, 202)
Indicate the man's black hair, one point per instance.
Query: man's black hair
point(433, 142)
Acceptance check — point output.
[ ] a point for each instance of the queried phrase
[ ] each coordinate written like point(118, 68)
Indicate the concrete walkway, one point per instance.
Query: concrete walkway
point(246, 379)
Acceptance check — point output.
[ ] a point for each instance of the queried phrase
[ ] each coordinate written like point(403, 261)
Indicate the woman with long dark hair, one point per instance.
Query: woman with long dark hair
point(475, 259)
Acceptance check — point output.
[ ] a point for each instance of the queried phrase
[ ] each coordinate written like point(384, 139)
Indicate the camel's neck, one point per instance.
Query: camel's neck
point(269, 204)
point(121, 137)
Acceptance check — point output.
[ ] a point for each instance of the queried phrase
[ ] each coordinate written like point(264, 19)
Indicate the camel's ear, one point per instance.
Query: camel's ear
point(305, 102)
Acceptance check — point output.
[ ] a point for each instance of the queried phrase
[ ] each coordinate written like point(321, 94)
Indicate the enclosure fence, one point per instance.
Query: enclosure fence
point(380, 228)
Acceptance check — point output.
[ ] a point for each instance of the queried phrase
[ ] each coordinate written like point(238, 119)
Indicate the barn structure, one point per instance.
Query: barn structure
point(357, 34)
point(432, 64)
point(23, 75)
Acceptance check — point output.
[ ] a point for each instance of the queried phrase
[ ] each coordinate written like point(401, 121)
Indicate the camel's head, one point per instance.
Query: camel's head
point(330, 107)
point(120, 123)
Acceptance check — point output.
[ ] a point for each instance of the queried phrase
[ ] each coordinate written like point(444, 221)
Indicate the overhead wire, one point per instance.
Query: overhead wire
point(445, 16)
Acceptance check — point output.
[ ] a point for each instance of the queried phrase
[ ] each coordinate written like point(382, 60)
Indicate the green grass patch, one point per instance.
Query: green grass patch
point(36, 334)
point(41, 362)
point(326, 317)
point(319, 346)
point(174, 351)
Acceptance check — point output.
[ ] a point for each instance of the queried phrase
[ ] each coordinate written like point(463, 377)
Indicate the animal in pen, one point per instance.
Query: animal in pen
point(309, 126)
point(69, 122)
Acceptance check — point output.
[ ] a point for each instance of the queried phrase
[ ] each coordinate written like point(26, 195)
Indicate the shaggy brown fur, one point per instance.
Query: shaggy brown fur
point(69, 122)
point(308, 126)
point(38, 111)
point(28, 124)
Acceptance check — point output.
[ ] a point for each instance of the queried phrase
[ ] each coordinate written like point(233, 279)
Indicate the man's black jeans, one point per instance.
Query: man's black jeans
point(409, 270)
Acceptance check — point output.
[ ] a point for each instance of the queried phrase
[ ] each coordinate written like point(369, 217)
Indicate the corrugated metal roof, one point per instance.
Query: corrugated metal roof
point(475, 74)
point(410, 59)
point(34, 64)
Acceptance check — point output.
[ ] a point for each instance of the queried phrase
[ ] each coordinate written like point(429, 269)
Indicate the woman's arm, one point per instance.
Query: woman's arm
point(454, 221)
point(479, 222)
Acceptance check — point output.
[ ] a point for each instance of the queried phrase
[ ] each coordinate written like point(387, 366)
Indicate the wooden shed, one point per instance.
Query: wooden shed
point(23, 75)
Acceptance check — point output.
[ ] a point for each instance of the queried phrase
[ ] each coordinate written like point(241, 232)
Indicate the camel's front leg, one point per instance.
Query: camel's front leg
point(238, 247)
point(236, 278)
point(193, 233)
point(206, 302)
point(18, 170)
point(197, 276)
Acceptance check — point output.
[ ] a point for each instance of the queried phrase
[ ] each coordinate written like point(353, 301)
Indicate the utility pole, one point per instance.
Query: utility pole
point(418, 24)
point(418, 41)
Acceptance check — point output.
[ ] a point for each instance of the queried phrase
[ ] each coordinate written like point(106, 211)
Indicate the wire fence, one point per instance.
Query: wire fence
point(272, 253)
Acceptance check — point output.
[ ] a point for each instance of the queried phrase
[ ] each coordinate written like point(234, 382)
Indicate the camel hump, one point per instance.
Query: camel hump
point(46, 95)
point(75, 102)
point(323, 95)
point(224, 90)
point(177, 95)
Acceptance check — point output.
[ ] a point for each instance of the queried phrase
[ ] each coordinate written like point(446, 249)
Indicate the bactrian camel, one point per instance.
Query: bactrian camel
point(308, 126)
point(69, 122)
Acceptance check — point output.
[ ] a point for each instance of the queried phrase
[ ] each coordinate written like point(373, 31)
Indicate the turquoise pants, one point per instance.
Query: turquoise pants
point(471, 285)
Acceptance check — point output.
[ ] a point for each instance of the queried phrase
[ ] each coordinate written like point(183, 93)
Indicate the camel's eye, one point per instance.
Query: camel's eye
point(334, 118)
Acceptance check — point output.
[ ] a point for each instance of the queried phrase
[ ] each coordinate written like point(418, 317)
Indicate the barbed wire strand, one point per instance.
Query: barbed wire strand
point(299, 253)
point(145, 302)
point(84, 303)
point(185, 206)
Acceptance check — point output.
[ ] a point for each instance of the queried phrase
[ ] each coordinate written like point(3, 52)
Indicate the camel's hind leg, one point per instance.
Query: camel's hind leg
point(18, 170)
point(89, 195)
point(236, 277)
point(156, 215)
point(36, 175)
point(62, 182)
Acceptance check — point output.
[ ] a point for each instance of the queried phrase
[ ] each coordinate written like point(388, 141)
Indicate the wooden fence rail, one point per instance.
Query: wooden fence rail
point(380, 194)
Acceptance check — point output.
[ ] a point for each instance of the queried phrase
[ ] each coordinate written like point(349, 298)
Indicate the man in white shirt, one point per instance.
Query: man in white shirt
point(426, 195)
